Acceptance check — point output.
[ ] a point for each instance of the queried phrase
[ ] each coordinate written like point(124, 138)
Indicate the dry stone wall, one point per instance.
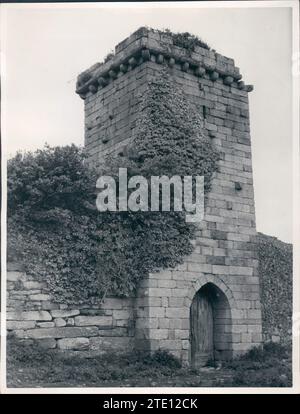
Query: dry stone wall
point(33, 315)
point(276, 281)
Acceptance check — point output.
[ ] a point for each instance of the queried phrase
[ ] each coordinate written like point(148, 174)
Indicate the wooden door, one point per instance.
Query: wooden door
point(201, 330)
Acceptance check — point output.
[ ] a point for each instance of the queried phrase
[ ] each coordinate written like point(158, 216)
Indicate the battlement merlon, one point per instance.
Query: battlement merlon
point(148, 44)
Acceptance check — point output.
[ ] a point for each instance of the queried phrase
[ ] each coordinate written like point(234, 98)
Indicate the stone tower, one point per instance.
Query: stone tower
point(210, 305)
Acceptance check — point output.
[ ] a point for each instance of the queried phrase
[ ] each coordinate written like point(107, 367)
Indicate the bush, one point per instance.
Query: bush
point(52, 220)
point(20, 352)
point(269, 378)
point(31, 364)
point(277, 350)
point(261, 354)
point(60, 237)
point(109, 57)
point(186, 40)
point(163, 358)
point(51, 366)
point(267, 366)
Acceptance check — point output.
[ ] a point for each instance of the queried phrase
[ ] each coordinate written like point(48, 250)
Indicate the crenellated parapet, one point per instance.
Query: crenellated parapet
point(150, 45)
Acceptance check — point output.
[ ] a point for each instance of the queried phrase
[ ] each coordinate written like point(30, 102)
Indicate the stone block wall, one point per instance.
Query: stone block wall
point(114, 115)
point(33, 315)
point(224, 255)
point(224, 261)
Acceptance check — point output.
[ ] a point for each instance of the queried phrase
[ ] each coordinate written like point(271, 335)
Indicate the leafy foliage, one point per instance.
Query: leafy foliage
point(276, 278)
point(168, 142)
point(267, 366)
point(56, 231)
point(29, 364)
point(52, 220)
point(186, 40)
point(109, 57)
point(32, 363)
point(170, 139)
point(20, 352)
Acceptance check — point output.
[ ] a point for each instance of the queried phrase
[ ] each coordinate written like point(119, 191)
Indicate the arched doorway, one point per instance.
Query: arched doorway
point(210, 326)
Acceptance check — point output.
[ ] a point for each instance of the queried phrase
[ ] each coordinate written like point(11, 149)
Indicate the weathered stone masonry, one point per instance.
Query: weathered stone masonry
point(33, 315)
point(224, 263)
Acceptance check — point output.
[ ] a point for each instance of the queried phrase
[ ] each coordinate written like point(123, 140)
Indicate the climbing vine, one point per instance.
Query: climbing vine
point(185, 40)
point(56, 231)
point(276, 279)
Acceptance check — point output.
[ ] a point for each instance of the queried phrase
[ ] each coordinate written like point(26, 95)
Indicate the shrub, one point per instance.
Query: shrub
point(186, 40)
point(109, 57)
point(52, 220)
point(20, 352)
point(164, 358)
point(269, 378)
point(261, 354)
point(32, 363)
point(267, 366)
point(60, 237)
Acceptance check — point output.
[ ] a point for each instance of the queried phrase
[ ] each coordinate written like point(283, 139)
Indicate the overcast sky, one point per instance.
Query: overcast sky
point(45, 47)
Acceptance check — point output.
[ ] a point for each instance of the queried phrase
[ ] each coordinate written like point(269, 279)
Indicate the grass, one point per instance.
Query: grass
point(270, 366)
point(33, 366)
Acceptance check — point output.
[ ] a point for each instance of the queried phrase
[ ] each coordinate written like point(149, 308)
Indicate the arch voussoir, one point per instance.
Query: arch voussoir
point(202, 280)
